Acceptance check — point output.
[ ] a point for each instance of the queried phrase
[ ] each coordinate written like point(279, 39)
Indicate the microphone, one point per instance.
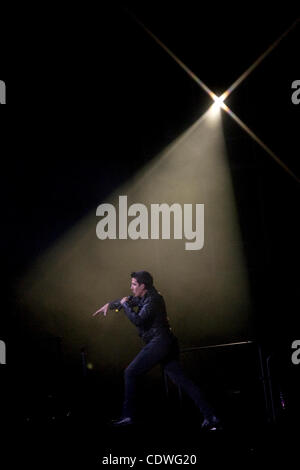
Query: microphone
point(119, 306)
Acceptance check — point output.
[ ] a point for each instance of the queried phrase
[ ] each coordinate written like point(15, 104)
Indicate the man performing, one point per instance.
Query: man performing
point(161, 347)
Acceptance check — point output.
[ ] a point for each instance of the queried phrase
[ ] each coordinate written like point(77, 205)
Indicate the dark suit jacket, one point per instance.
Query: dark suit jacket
point(147, 313)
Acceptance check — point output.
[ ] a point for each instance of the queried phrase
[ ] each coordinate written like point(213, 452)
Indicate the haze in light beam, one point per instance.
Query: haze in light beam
point(206, 291)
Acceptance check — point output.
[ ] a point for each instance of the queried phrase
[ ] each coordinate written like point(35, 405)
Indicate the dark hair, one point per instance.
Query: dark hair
point(143, 277)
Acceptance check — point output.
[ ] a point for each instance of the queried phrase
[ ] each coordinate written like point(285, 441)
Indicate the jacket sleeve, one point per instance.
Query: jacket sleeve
point(116, 304)
point(146, 313)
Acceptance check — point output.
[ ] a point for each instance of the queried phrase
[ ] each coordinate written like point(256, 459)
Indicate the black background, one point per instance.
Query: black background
point(76, 80)
point(89, 89)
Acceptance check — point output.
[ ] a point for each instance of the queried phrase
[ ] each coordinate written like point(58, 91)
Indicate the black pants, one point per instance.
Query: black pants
point(161, 349)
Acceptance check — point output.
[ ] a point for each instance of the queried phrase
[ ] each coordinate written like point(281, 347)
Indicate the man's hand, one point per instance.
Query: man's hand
point(102, 310)
point(123, 300)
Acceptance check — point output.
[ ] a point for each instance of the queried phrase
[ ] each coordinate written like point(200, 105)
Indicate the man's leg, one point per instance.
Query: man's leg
point(153, 353)
point(175, 372)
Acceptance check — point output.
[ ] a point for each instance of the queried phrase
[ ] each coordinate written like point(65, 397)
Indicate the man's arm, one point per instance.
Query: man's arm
point(117, 305)
point(101, 310)
point(147, 312)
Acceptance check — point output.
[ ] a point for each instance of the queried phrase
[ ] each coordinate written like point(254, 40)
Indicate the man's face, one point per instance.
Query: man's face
point(137, 289)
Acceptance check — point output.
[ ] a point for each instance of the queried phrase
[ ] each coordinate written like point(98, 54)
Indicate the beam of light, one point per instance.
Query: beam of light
point(182, 137)
point(79, 273)
point(219, 101)
point(258, 61)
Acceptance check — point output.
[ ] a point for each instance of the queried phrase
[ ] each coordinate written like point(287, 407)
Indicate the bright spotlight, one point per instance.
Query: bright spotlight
point(217, 105)
point(219, 100)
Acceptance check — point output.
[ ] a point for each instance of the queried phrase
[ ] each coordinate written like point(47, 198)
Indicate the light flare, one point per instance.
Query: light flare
point(219, 100)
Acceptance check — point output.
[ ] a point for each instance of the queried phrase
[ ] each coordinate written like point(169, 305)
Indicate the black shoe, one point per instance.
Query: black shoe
point(127, 421)
point(212, 424)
